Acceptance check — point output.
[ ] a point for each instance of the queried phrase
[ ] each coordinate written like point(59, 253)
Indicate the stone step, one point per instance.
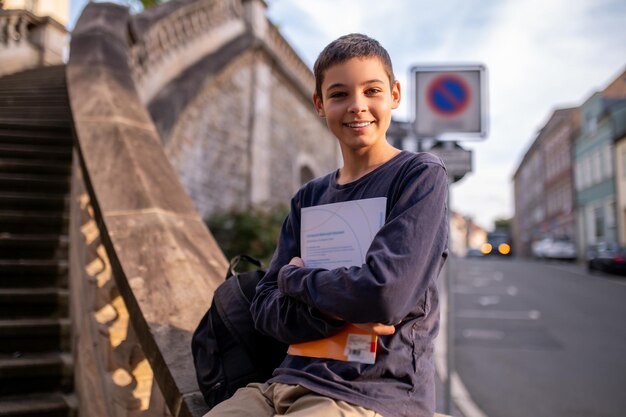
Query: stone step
point(55, 404)
point(60, 112)
point(26, 222)
point(17, 303)
point(49, 183)
point(45, 182)
point(33, 246)
point(35, 152)
point(32, 201)
point(11, 99)
point(33, 335)
point(34, 166)
point(35, 373)
point(29, 273)
point(36, 137)
point(42, 123)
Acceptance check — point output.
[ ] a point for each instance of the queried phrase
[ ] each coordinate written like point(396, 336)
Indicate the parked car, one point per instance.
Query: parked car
point(607, 257)
point(561, 248)
point(539, 248)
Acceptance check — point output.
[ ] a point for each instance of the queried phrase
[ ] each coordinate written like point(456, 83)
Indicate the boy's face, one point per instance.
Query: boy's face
point(357, 101)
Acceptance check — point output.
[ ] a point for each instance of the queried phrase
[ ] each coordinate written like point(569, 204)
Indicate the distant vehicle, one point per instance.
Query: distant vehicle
point(607, 257)
point(539, 248)
point(498, 243)
point(474, 253)
point(561, 248)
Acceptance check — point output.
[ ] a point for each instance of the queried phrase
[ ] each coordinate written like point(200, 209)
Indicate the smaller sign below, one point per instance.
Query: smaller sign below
point(458, 161)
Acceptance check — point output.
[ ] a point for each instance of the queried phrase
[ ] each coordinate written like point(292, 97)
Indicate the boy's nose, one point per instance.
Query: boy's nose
point(357, 105)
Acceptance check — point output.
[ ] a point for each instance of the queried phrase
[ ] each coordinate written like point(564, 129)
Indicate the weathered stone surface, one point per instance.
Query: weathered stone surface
point(100, 36)
point(167, 268)
point(128, 169)
point(210, 143)
point(102, 94)
point(165, 261)
point(168, 105)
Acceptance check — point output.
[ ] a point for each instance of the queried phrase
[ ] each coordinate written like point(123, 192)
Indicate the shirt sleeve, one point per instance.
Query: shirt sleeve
point(404, 259)
point(280, 315)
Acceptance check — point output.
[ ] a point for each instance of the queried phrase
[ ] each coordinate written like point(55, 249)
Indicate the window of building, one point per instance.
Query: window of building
point(598, 215)
point(608, 161)
point(597, 167)
point(578, 175)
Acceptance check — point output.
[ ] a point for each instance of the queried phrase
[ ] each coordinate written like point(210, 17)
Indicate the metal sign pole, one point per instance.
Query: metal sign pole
point(449, 312)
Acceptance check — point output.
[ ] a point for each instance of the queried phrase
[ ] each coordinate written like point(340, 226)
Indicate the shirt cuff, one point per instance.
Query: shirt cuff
point(282, 278)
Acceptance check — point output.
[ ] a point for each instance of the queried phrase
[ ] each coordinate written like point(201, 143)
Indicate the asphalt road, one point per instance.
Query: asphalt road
point(540, 339)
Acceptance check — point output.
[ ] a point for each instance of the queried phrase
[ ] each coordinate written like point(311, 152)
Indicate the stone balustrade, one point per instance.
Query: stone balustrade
point(176, 41)
point(15, 27)
point(147, 274)
point(290, 61)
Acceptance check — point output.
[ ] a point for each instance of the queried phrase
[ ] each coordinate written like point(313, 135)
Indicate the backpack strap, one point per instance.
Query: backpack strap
point(234, 262)
point(234, 309)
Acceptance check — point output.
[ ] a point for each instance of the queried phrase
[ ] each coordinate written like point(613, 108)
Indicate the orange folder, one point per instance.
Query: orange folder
point(349, 344)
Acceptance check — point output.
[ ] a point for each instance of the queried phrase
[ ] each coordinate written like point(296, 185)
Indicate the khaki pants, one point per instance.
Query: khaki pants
point(275, 400)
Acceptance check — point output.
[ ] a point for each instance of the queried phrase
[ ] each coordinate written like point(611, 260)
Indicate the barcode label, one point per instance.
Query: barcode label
point(361, 348)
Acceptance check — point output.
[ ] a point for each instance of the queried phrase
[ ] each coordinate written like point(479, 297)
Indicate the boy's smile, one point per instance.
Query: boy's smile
point(356, 101)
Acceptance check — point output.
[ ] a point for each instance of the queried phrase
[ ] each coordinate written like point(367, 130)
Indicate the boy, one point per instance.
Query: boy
point(393, 294)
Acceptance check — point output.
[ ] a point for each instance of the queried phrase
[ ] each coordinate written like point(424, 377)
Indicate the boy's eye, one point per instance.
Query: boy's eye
point(373, 91)
point(337, 94)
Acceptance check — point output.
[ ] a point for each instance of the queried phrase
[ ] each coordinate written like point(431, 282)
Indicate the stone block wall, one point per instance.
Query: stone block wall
point(209, 141)
point(212, 142)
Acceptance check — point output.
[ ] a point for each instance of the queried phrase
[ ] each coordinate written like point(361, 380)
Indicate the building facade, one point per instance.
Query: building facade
point(32, 34)
point(528, 190)
point(596, 159)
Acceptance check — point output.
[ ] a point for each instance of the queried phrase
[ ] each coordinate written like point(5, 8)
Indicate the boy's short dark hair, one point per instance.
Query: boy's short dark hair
point(354, 45)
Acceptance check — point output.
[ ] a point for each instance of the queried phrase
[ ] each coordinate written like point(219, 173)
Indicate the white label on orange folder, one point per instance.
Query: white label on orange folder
point(361, 348)
point(342, 346)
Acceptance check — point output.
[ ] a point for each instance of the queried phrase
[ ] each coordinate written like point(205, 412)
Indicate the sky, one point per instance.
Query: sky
point(540, 55)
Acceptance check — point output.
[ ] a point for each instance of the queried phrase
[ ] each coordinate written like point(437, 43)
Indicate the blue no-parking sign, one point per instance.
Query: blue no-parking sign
point(450, 99)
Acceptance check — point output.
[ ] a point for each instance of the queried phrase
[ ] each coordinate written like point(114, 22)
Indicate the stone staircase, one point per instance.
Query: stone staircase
point(36, 367)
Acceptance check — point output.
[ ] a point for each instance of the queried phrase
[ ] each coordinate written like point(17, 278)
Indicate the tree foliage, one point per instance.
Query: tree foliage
point(253, 232)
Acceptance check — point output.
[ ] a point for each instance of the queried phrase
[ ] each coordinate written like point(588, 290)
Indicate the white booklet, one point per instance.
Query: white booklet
point(333, 236)
point(339, 234)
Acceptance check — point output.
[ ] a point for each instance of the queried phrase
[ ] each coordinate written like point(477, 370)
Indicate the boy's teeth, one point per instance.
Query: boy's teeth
point(359, 124)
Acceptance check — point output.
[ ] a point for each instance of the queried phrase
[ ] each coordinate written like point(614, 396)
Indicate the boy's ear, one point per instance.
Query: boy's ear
point(319, 105)
point(395, 94)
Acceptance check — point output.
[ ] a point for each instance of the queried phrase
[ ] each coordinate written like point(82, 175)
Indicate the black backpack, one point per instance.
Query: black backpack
point(228, 352)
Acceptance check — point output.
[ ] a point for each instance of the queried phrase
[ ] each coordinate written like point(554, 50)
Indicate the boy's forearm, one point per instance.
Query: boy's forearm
point(289, 320)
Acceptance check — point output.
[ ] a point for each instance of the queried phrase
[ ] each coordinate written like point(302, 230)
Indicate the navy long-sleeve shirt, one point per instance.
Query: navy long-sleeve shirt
point(396, 285)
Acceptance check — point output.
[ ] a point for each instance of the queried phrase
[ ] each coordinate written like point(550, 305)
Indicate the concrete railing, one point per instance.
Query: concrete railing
point(139, 248)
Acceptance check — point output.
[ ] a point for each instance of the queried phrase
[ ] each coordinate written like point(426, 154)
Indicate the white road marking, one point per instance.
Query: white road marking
point(500, 290)
point(483, 334)
point(489, 300)
point(499, 314)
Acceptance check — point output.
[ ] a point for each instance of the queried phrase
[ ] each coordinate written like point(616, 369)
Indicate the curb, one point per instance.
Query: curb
point(460, 396)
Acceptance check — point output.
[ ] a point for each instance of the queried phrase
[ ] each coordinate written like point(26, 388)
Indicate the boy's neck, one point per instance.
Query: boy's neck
point(358, 164)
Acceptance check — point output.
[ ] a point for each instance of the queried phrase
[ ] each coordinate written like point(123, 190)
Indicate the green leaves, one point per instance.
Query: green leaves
point(253, 232)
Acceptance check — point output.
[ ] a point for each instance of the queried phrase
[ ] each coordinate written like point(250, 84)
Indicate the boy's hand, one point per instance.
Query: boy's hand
point(376, 328)
point(297, 262)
